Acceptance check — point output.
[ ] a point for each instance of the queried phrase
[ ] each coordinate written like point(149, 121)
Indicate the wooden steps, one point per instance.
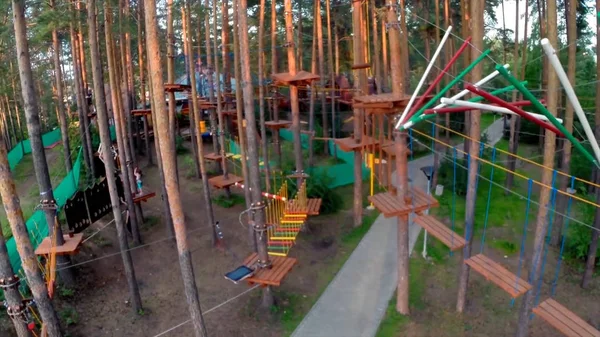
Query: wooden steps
point(220, 181)
point(312, 207)
point(438, 230)
point(349, 144)
point(273, 276)
point(389, 205)
point(144, 196)
point(564, 320)
point(497, 274)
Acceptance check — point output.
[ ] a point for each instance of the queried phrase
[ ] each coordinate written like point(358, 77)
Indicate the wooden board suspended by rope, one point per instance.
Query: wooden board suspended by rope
point(497, 274)
point(438, 230)
point(273, 276)
point(564, 320)
point(389, 205)
point(71, 246)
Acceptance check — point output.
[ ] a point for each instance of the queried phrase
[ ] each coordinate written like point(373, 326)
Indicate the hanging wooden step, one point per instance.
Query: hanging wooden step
point(350, 144)
point(273, 276)
point(144, 196)
point(70, 247)
point(215, 156)
point(312, 207)
point(389, 204)
point(276, 125)
point(300, 78)
point(295, 229)
point(361, 66)
point(497, 274)
point(141, 112)
point(382, 103)
point(173, 87)
point(292, 221)
point(220, 181)
point(564, 320)
point(438, 230)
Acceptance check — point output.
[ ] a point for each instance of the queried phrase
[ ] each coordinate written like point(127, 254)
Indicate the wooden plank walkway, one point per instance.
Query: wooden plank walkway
point(497, 274)
point(273, 276)
point(564, 320)
point(438, 230)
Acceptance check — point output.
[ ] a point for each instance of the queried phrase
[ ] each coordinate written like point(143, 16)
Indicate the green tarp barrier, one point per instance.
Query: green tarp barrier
point(24, 147)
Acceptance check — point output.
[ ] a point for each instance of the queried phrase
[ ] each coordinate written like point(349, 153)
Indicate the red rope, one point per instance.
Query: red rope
point(465, 108)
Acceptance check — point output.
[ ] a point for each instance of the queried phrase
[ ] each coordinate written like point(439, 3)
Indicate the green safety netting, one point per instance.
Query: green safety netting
point(24, 147)
point(36, 224)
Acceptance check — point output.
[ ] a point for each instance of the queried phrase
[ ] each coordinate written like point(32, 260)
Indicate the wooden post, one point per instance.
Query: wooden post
point(258, 204)
point(541, 229)
point(274, 70)
point(261, 94)
point(325, 122)
point(167, 149)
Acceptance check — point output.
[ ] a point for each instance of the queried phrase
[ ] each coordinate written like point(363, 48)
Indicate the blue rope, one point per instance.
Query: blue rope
point(481, 148)
point(548, 235)
point(563, 239)
point(524, 236)
point(487, 207)
point(410, 143)
point(453, 212)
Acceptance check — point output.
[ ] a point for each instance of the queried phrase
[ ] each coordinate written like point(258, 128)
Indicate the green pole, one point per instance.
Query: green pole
point(542, 109)
point(449, 86)
point(475, 99)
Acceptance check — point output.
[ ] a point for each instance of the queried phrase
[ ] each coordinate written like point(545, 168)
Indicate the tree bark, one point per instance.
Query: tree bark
point(253, 166)
point(12, 206)
point(225, 46)
point(261, 94)
point(563, 184)
point(109, 164)
point(143, 80)
point(319, 22)
point(64, 126)
point(9, 280)
point(241, 134)
point(167, 150)
point(331, 69)
point(313, 92)
point(274, 70)
point(123, 150)
point(541, 230)
point(40, 165)
point(513, 139)
point(211, 87)
point(376, 57)
point(477, 24)
point(210, 217)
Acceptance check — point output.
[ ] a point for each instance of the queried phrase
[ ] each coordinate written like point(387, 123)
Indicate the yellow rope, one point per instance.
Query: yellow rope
point(517, 156)
point(509, 171)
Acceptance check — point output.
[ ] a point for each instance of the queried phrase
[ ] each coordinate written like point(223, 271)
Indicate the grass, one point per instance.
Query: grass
point(292, 313)
point(225, 202)
point(505, 246)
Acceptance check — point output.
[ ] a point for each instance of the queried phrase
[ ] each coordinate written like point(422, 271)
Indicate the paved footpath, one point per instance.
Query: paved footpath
point(355, 301)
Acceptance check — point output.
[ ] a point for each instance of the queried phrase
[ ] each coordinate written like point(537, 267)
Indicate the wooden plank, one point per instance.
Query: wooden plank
point(70, 247)
point(440, 231)
point(498, 275)
point(559, 321)
point(578, 321)
point(509, 277)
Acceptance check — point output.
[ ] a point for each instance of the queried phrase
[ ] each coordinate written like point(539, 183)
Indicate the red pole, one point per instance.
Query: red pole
point(505, 104)
point(465, 108)
point(438, 79)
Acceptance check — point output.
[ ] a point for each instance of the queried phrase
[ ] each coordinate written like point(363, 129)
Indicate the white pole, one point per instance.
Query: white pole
point(493, 108)
point(424, 77)
point(562, 76)
point(477, 85)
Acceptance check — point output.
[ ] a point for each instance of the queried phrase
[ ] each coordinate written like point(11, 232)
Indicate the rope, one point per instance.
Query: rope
point(208, 311)
point(487, 208)
point(524, 236)
point(562, 243)
point(101, 229)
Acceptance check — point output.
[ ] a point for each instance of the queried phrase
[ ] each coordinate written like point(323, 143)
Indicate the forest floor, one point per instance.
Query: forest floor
point(99, 304)
point(434, 281)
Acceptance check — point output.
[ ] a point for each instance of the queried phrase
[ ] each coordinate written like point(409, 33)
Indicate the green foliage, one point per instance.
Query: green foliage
point(225, 202)
point(447, 173)
point(66, 292)
point(179, 147)
point(505, 246)
point(578, 239)
point(69, 315)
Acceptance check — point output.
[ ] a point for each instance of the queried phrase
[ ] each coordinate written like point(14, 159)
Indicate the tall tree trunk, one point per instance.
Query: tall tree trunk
point(477, 23)
point(123, 151)
point(513, 140)
point(209, 64)
point(40, 165)
point(299, 46)
point(378, 71)
point(466, 27)
point(313, 91)
point(10, 280)
point(593, 249)
point(189, 55)
point(261, 93)
point(10, 200)
point(109, 164)
point(167, 150)
point(541, 230)
point(384, 55)
point(225, 49)
point(253, 166)
point(241, 134)
point(126, 99)
point(561, 201)
point(337, 49)
point(141, 54)
point(274, 70)
point(436, 153)
point(64, 126)
point(210, 217)
point(325, 123)
point(171, 79)
point(291, 56)
point(331, 69)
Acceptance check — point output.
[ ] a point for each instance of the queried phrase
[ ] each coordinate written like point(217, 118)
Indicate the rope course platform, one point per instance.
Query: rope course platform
point(273, 276)
point(144, 196)
point(216, 156)
point(231, 113)
point(276, 125)
point(349, 144)
point(497, 274)
point(301, 78)
point(172, 87)
point(564, 320)
point(221, 182)
point(389, 205)
point(438, 230)
point(141, 112)
point(70, 247)
point(361, 66)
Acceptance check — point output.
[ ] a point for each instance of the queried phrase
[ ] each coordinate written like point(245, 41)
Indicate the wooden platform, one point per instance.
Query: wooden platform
point(382, 103)
point(312, 207)
point(172, 87)
point(349, 144)
point(361, 66)
point(301, 77)
point(71, 246)
point(564, 320)
point(389, 205)
point(220, 181)
point(144, 196)
point(141, 112)
point(270, 277)
point(232, 113)
point(215, 156)
point(280, 124)
point(438, 230)
point(500, 276)
point(388, 147)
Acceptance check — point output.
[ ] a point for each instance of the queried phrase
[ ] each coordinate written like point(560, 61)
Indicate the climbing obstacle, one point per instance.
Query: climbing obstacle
point(273, 276)
point(437, 229)
point(564, 320)
point(497, 274)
